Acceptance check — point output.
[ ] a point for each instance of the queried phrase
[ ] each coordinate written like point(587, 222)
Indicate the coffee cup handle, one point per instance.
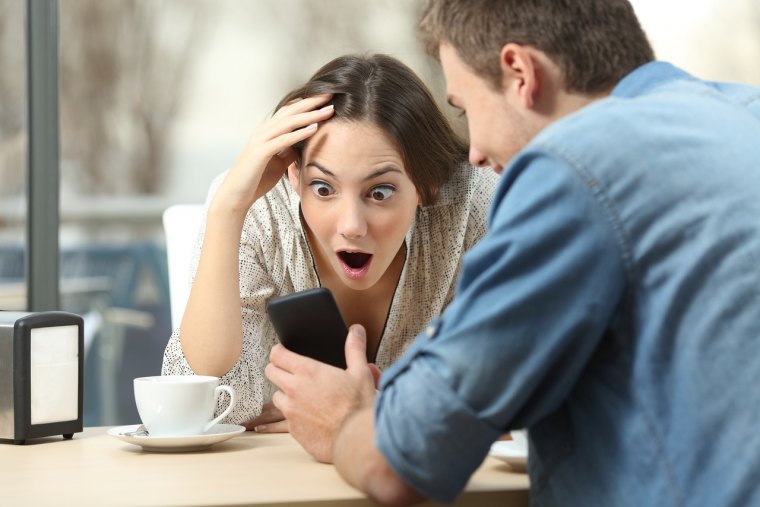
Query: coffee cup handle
point(218, 391)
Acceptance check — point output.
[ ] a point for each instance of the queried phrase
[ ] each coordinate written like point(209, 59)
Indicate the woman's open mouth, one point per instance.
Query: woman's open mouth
point(355, 264)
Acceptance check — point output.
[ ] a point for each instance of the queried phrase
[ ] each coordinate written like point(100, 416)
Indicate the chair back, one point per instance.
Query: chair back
point(181, 228)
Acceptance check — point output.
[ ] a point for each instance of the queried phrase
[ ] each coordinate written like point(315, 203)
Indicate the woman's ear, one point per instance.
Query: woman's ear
point(294, 177)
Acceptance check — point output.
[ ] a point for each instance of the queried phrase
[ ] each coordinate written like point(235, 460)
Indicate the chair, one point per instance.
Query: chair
point(181, 224)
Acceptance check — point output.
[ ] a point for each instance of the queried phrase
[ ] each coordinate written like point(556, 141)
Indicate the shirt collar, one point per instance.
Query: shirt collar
point(647, 77)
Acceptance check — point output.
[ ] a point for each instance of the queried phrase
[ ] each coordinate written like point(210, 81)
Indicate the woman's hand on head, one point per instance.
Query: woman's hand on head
point(269, 151)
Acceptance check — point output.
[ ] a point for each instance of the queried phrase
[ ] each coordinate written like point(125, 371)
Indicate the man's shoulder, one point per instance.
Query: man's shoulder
point(646, 122)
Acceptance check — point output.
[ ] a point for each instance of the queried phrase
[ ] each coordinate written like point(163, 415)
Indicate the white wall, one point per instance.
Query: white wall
point(713, 39)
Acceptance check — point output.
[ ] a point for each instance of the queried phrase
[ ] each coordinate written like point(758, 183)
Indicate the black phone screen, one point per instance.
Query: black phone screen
point(309, 323)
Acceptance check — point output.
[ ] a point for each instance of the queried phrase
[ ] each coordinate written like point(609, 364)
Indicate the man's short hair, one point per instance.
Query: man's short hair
point(595, 43)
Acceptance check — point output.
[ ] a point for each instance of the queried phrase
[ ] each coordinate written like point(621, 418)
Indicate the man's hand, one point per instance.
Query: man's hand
point(316, 398)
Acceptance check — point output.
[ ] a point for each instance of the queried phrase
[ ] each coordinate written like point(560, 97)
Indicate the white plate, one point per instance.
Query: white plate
point(512, 452)
point(218, 433)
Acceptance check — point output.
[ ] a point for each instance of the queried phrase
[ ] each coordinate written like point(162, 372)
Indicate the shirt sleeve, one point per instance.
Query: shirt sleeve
point(533, 302)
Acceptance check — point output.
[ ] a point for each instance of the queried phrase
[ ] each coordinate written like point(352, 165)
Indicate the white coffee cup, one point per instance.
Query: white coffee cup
point(175, 405)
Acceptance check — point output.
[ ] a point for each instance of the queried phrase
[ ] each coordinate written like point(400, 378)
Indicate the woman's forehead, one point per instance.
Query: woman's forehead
point(345, 144)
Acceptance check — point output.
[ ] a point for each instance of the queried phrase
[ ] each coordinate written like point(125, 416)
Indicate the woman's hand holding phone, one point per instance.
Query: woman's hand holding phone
point(269, 151)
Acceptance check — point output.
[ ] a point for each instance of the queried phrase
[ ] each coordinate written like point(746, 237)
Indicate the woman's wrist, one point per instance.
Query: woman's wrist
point(227, 208)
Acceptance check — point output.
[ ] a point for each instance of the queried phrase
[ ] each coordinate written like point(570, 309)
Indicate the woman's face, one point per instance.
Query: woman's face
point(357, 200)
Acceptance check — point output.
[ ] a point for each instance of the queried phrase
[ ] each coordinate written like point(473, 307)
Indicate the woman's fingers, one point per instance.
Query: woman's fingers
point(269, 151)
point(303, 105)
point(301, 121)
point(291, 124)
point(299, 114)
point(269, 415)
point(279, 134)
point(273, 427)
point(285, 140)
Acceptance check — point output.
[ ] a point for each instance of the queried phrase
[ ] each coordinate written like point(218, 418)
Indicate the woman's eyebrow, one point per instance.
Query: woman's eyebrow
point(321, 168)
point(382, 171)
point(374, 174)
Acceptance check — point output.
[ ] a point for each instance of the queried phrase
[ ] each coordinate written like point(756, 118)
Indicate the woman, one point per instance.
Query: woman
point(378, 206)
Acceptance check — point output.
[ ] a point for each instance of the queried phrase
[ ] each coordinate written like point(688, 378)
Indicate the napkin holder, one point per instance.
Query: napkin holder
point(41, 375)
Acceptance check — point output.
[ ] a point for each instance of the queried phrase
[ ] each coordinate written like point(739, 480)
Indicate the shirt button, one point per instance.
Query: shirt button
point(430, 331)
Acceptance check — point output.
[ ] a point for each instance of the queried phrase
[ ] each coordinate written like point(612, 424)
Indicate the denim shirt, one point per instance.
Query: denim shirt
point(613, 309)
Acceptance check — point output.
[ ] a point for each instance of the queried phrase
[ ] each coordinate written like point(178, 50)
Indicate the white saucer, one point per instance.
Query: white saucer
point(218, 433)
point(512, 452)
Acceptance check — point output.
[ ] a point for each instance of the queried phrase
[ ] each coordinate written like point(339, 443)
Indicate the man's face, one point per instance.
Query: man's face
point(497, 123)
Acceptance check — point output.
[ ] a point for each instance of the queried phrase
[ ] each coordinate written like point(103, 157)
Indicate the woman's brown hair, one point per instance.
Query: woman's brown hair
point(385, 92)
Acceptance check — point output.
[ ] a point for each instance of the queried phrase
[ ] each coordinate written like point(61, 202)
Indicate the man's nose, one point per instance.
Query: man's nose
point(477, 158)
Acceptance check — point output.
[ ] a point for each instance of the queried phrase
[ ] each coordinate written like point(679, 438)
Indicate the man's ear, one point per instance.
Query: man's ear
point(519, 73)
point(293, 177)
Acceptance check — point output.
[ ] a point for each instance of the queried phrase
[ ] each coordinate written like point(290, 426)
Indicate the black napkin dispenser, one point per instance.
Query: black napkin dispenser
point(41, 375)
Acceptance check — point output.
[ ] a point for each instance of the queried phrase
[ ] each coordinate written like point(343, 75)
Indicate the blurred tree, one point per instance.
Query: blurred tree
point(320, 31)
point(12, 97)
point(123, 69)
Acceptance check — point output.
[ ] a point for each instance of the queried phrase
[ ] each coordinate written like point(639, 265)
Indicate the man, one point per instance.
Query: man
point(613, 308)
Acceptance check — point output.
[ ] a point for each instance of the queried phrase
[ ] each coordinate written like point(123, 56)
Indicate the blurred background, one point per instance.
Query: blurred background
point(158, 96)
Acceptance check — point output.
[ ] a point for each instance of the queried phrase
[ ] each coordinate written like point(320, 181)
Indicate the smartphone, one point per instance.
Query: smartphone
point(309, 323)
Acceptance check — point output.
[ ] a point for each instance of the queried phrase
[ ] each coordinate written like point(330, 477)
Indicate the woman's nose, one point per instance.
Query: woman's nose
point(351, 221)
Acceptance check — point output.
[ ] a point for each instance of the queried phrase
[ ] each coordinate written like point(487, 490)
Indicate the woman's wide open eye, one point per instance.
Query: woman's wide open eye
point(320, 188)
point(381, 192)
